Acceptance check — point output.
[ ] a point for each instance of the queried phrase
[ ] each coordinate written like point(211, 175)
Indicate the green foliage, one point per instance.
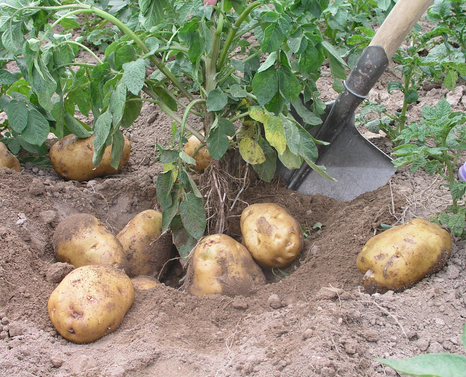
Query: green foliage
point(186, 58)
point(435, 145)
point(438, 55)
point(431, 365)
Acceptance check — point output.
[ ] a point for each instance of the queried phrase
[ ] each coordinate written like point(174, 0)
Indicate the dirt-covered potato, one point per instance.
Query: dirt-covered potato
point(202, 157)
point(81, 239)
point(7, 160)
point(90, 302)
point(71, 158)
point(221, 265)
point(401, 256)
point(272, 236)
point(144, 282)
point(144, 245)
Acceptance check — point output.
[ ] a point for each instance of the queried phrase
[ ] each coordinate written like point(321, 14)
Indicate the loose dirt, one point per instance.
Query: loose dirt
point(316, 321)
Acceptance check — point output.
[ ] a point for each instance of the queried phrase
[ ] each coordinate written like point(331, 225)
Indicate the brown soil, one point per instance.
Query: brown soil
point(317, 321)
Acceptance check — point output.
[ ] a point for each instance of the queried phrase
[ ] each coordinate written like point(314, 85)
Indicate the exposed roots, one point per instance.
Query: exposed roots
point(221, 186)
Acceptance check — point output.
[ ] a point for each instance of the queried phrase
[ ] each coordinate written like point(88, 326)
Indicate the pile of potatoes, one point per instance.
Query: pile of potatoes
point(92, 300)
point(272, 238)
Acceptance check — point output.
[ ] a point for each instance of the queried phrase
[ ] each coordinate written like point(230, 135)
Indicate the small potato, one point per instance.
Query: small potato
point(221, 265)
point(143, 283)
point(7, 159)
point(401, 256)
point(202, 157)
point(146, 249)
point(90, 302)
point(71, 158)
point(272, 236)
point(81, 239)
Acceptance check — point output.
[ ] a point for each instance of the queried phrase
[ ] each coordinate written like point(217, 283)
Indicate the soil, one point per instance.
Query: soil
point(316, 321)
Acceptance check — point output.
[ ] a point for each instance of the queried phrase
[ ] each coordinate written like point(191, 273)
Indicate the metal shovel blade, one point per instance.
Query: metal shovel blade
point(357, 165)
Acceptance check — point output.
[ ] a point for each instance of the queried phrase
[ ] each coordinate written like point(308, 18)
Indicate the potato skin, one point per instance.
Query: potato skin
point(71, 157)
point(143, 282)
point(90, 302)
point(81, 239)
point(202, 157)
point(272, 236)
point(403, 255)
point(221, 265)
point(144, 250)
point(7, 159)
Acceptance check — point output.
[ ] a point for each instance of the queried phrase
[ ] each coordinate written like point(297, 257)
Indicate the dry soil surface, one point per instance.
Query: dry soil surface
point(318, 321)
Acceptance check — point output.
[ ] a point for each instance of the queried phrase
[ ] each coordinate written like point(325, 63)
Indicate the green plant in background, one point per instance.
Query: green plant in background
point(431, 365)
point(434, 145)
point(435, 56)
point(194, 62)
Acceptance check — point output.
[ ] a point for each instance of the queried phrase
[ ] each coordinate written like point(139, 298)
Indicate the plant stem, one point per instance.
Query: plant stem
point(233, 31)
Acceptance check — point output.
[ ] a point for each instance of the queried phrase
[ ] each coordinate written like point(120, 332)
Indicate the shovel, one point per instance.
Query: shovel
point(355, 163)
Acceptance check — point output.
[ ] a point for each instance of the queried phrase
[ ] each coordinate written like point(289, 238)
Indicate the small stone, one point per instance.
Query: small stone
point(5, 321)
point(453, 272)
point(371, 336)
point(274, 301)
point(411, 335)
point(351, 348)
point(48, 217)
point(85, 365)
point(307, 334)
point(423, 344)
point(57, 271)
point(3, 335)
point(435, 347)
point(16, 329)
point(57, 362)
point(240, 303)
point(37, 187)
point(328, 293)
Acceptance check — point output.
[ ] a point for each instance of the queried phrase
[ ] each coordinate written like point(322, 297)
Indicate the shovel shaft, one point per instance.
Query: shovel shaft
point(399, 23)
point(366, 73)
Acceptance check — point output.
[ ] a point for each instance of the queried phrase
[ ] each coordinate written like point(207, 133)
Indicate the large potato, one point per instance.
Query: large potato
point(272, 236)
point(90, 302)
point(143, 244)
point(81, 239)
point(7, 160)
point(202, 157)
point(401, 256)
point(71, 158)
point(221, 265)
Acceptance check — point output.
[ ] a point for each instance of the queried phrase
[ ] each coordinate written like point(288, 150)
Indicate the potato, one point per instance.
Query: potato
point(143, 283)
point(81, 239)
point(144, 247)
point(221, 265)
point(272, 236)
point(401, 256)
point(90, 302)
point(202, 157)
point(71, 158)
point(7, 159)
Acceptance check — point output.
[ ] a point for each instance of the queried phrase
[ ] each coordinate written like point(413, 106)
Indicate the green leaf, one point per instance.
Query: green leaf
point(265, 85)
point(69, 23)
point(76, 127)
point(163, 187)
point(384, 4)
point(218, 142)
point(434, 364)
point(7, 78)
point(458, 190)
point(273, 37)
point(193, 215)
point(451, 77)
point(118, 143)
point(152, 12)
point(251, 151)
point(290, 160)
point(337, 64)
point(267, 169)
point(117, 103)
point(183, 241)
point(269, 62)
point(170, 212)
point(288, 83)
point(307, 116)
point(411, 96)
point(44, 85)
point(216, 100)
point(134, 75)
point(275, 134)
point(102, 129)
point(17, 113)
point(132, 111)
point(37, 129)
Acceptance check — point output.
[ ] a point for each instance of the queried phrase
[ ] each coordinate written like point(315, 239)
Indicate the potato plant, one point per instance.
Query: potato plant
point(237, 66)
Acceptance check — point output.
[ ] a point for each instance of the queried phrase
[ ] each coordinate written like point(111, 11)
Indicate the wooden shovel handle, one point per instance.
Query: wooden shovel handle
point(399, 23)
